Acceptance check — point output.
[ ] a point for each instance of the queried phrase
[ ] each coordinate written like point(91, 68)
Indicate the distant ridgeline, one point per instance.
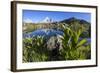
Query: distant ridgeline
point(50, 24)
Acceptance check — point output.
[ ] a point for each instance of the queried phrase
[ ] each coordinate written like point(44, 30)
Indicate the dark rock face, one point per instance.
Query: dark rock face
point(55, 52)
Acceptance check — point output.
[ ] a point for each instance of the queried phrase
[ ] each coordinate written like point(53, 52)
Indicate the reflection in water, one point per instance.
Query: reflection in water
point(43, 32)
point(48, 33)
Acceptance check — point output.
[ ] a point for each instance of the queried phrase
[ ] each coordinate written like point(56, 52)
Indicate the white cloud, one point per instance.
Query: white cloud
point(28, 20)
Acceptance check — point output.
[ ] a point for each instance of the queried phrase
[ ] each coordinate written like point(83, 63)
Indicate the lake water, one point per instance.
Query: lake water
point(43, 32)
point(47, 33)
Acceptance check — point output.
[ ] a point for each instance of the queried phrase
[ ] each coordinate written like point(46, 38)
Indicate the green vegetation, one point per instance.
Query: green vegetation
point(73, 48)
point(34, 50)
point(73, 44)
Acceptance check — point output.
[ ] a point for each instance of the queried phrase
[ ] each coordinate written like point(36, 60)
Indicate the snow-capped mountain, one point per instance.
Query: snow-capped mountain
point(46, 20)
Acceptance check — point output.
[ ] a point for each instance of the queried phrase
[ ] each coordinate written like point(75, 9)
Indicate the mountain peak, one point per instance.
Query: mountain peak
point(46, 20)
point(73, 19)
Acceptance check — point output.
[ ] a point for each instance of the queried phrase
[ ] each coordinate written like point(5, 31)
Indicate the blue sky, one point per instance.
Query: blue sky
point(37, 16)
